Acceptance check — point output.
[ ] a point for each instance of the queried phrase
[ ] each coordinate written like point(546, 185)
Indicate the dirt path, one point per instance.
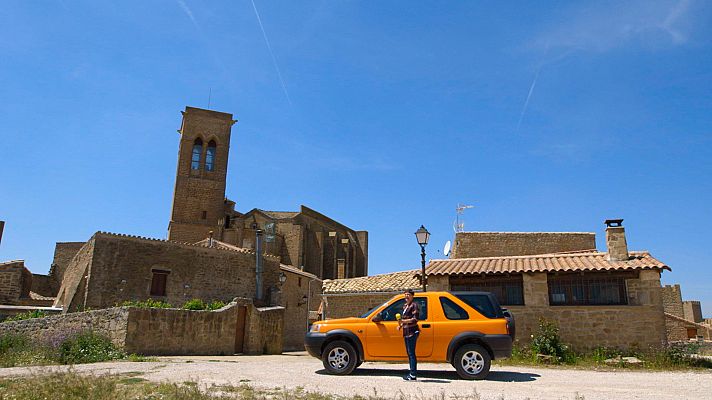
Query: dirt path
point(299, 370)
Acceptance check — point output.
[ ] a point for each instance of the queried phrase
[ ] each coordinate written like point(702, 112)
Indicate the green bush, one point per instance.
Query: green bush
point(27, 315)
point(148, 303)
point(215, 305)
point(546, 341)
point(198, 304)
point(194, 304)
point(88, 347)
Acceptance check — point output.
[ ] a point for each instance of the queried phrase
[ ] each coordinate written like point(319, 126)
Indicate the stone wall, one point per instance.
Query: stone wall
point(165, 331)
point(264, 330)
point(15, 282)
point(692, 310)
point(181, 332)
point(64, 252)
point(111, 269)
point(54, 329)
point(493, 244)
point(672, 304)
point(295, 287)
point(43, 285)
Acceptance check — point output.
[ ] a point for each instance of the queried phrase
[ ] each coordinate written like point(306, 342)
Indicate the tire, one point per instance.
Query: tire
point(339, 358)
point(472, 361)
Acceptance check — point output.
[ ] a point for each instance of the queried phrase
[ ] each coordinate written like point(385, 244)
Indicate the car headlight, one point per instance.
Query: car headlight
point(315, 328)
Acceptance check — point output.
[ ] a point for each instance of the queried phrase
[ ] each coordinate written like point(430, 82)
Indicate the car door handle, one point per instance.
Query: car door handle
point(426, 325)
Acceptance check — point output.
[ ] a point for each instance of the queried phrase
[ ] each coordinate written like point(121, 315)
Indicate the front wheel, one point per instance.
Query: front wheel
point(339, 358)
point(472, 361)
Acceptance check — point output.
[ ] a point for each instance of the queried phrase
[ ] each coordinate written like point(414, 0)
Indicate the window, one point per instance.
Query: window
point(589, 288)
point(197, 153)
point(481, 303)
point(389, 314)
point(158, 282)
point(204, 215)
point(452, 310)
point(210, 156)
point(508, 289)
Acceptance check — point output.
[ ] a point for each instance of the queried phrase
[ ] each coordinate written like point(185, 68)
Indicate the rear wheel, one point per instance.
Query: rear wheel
point(339, 358)
point(472, 361)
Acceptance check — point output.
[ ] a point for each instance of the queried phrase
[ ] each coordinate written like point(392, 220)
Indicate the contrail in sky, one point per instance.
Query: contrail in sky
point(529, 96)
point(271, 53)
point(531, 88)
point(189, 13)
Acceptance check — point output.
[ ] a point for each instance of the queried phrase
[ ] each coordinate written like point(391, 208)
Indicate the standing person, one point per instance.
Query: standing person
point(409, 324)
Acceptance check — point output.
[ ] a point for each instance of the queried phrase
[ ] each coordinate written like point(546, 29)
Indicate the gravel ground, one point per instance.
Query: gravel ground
point(294, 370)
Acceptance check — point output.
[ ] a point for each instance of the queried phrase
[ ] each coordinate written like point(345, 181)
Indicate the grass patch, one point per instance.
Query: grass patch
point(79, 348)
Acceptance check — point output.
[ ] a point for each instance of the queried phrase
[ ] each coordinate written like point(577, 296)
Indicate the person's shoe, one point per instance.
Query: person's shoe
point(409, 377)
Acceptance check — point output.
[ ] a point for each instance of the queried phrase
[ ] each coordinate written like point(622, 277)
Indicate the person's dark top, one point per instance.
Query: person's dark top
point(410, 311)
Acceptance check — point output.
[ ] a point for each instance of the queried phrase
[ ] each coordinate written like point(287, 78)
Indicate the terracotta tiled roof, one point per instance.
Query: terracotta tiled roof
point(394, 281)
point(592, 261)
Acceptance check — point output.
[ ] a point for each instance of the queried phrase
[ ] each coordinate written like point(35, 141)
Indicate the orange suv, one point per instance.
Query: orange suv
point(465, 329)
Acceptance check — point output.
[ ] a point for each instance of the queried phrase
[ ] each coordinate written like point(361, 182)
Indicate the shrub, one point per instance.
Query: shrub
point(10, 341)
point(88, 347)
point(546, 341)
point(198, 304)
point(216, 305)
point(148, 303)
point(27, 315)
point(194, 304)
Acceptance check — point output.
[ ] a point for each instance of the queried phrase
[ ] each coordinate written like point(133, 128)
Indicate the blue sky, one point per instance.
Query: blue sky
point(384, 115)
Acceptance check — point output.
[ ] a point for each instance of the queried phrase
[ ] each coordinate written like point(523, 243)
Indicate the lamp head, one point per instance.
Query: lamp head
point(422, 235)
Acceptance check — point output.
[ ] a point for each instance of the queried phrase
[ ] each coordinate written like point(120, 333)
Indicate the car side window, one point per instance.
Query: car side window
point(389, 314)
point(452, 310)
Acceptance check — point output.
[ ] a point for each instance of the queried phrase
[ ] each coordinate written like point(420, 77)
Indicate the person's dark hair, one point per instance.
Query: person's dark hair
point(409, 291)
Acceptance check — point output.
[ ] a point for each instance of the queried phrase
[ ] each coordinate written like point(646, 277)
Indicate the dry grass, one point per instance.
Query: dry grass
point(74, 386)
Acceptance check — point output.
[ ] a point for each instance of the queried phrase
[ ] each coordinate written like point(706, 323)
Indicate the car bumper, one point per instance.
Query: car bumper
point(313, 343)
point(501, 345)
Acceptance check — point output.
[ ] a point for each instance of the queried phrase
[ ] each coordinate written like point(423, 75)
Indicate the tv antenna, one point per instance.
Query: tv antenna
point(459, 225)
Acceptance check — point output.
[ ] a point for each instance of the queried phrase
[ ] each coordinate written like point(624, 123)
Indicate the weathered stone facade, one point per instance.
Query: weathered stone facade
point(494, 244)
point(300, 296)
point(111, 269)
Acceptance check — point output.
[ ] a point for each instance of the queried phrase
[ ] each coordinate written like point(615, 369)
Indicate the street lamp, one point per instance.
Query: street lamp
point(423, 236)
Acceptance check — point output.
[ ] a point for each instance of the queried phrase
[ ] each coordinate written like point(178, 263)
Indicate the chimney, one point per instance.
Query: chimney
point(615, 240)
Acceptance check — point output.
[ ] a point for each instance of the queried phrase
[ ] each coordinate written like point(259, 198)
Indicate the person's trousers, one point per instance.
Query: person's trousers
point(410, 349)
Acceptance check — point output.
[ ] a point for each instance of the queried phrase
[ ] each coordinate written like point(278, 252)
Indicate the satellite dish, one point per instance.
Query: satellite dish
point(446, 250)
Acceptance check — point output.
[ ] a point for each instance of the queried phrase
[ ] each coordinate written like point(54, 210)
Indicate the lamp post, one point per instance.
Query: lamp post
point(423, 236)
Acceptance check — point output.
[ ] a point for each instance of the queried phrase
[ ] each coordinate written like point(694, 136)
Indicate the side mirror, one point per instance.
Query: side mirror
point(377, 318)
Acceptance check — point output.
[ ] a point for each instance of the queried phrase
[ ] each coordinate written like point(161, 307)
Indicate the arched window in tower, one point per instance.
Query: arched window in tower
point(210, 156)
point(197, 152)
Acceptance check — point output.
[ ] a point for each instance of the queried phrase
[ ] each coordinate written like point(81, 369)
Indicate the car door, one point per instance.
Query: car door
point(383, 339)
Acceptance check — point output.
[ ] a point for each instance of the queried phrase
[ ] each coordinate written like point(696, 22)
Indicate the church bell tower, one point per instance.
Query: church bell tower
point(199, 195)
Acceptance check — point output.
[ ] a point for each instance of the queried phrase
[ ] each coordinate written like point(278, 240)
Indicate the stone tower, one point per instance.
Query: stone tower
point(199, 195)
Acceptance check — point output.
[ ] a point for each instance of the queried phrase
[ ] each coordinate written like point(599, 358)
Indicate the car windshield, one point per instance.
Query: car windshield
point(371, 310)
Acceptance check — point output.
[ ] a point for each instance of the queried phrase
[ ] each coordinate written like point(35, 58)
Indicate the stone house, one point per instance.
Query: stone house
point(611, 298)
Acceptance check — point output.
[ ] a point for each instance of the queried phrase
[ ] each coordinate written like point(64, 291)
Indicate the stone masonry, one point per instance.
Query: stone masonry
point(494, 244)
